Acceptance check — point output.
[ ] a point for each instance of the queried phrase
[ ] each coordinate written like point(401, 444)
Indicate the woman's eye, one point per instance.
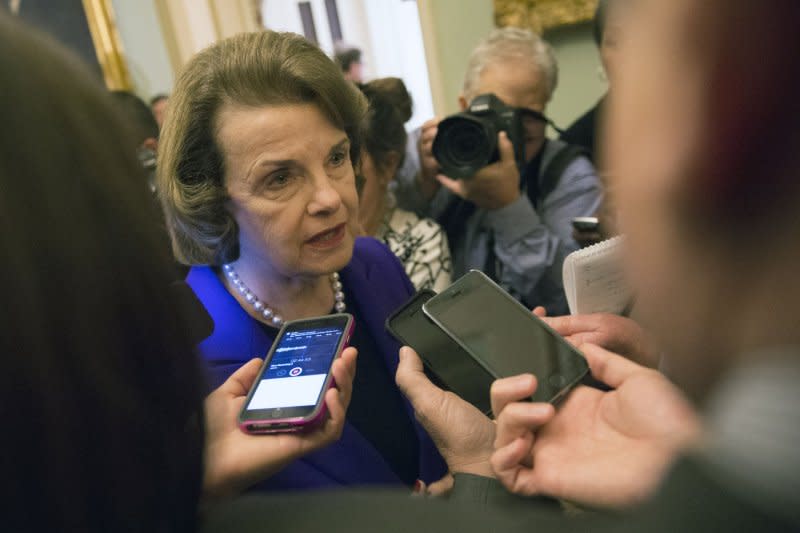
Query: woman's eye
point(339, 158)
point(278, 180)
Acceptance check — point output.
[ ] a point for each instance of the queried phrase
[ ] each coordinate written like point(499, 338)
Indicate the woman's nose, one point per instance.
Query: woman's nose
point(326, 198)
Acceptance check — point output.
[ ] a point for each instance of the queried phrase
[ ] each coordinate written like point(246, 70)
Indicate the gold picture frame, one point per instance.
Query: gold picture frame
point(107, 44)
point(542, 15)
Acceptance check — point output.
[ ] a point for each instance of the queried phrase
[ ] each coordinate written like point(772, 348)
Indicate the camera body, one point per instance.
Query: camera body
point(466, 142)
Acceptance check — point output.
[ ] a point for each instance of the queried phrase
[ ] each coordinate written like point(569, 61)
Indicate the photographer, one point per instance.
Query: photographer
point(511, 218)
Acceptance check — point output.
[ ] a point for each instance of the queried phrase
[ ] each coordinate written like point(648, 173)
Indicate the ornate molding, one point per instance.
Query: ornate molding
point(542, 15)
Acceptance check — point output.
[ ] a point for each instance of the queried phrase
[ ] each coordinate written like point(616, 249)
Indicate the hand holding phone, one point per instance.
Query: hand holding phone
point(446, 362)
point(599, 449)
point(289, 392)
point(234, 460)
point(463, 435)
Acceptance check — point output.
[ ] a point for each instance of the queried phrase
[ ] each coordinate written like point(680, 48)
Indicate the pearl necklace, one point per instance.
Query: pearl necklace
point(268, 313)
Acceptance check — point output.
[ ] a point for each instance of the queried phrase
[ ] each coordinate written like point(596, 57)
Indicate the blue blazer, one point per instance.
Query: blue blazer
point(376, 280)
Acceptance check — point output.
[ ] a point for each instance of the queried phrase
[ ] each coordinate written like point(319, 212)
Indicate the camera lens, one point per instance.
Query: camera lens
point(463, 145)
point(465, 142)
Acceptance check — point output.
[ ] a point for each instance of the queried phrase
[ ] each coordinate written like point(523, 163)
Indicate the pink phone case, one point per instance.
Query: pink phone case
point(296, 424)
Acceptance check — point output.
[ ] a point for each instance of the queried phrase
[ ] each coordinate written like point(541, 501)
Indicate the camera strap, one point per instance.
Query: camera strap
point(541, 177)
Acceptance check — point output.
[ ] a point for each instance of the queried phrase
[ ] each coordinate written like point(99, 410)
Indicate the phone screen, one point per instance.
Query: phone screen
point(294, 378)
point(450, 364)
point(505, 337)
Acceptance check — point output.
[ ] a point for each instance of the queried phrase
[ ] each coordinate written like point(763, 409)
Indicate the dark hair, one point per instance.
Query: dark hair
point(252, 69)
point(599, 27)
point(101, 393)
point(390, 107)
point(345, 58)
point(140, 116)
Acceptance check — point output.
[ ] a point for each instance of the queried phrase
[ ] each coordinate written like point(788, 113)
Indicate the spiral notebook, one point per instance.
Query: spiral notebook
point(594, 280)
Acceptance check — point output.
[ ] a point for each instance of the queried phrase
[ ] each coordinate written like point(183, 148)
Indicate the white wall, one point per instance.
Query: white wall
point(397, 50)
point(581, 83)
point(144, 48)
point(387, 32)
point(452, 28)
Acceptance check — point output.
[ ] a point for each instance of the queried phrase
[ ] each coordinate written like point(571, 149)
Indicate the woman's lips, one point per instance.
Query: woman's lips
point(328, 238)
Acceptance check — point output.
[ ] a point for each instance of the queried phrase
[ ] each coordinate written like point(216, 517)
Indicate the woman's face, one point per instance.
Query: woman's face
point(376, 183)
point(291, 186)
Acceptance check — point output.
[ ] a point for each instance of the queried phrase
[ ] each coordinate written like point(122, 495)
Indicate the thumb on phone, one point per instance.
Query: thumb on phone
point(239, 383)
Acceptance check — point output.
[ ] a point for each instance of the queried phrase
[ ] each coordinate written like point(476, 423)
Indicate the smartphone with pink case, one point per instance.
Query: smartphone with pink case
point(289, 392)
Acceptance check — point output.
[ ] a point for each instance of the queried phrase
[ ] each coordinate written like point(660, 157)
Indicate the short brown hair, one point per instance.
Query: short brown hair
point(251, 69)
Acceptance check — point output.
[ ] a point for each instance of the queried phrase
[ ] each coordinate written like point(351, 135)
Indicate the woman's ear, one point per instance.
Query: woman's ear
point(392, 163)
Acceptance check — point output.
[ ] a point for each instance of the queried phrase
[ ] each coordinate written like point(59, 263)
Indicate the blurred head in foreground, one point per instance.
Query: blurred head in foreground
point(100, 393)
point(712, 126)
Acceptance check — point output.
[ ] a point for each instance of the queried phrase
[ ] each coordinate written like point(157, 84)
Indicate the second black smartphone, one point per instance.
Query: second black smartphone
point(505, 337)
point(449, 363)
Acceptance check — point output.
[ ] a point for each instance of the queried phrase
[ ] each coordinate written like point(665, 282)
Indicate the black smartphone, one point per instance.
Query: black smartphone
point(289, 392)
point(586, 224)
point(447, 363)
point(505, 337)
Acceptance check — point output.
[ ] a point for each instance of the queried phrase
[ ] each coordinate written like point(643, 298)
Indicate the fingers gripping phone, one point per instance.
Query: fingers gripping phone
point(289, 392)
point(505, 337)
point(449, 364)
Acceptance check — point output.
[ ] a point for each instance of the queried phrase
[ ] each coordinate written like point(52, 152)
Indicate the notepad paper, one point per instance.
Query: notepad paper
point(594, 280)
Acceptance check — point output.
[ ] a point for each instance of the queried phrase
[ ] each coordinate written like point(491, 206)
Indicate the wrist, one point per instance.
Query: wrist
point(499, 200)
point(427, 185)
point(507, 199)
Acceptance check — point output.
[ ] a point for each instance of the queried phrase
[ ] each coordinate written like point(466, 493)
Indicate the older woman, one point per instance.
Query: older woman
point(111, 434)
point(420, 243)
point(256, 176)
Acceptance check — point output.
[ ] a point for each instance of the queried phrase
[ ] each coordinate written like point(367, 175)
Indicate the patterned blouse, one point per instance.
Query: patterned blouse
point(421, 245)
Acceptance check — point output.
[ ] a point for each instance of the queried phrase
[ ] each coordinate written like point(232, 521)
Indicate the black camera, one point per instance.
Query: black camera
point(466, 142)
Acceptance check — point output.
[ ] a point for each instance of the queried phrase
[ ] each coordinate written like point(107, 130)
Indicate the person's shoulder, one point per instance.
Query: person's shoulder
point(201, 278)
point(569, 160)
point(370, 254)
point(372, 259)
point(369, 249)
point(410, 223)
point(582, 131)
point(405, 230)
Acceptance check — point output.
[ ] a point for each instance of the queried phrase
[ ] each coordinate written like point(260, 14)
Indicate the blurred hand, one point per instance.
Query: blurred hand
point(429, 167)
point(437, 488)
point(235, 460)
point(600, 448)
point(463, 434)
point(494, 186)
point(615, 333)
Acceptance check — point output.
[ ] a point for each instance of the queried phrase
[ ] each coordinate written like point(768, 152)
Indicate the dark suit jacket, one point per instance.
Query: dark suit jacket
point(691, 500)
point(584, 131)
point(377, 284)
